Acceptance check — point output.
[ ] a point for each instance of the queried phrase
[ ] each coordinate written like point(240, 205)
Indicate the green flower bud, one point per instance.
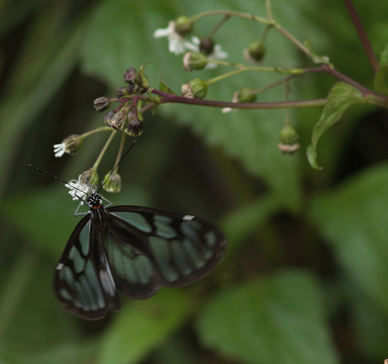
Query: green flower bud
point(102, 103)
point(118, 120)
point(112, 183)
point(255, 52)
point(134, 127)
point(206, 46)
point(194, 61)
point(183, 25)
point(91, 176)
point(246, 94)
point(70, 145)
point(288, 138)
point(195, 88)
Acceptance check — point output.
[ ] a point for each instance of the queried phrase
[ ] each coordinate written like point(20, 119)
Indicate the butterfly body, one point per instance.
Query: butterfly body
point(135, 250)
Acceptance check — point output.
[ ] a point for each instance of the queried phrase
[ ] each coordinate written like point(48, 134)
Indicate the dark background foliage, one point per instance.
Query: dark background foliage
point(305, 278)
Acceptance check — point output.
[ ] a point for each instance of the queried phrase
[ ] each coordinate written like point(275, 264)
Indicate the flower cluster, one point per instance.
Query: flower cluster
point(138, 96)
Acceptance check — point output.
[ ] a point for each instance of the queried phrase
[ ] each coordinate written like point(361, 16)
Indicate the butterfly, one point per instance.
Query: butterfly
point(133, 250)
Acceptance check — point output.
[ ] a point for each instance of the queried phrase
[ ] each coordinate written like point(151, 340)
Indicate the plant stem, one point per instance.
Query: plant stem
point(218, 25)
point(374, 62)
point(249, 69)
point(290, 37)
point(97, 162)
point(231, 13)
point(122, 143)
point(243, 105)
point(102, 128)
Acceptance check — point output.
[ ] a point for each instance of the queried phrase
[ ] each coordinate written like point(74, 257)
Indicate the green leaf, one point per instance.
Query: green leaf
point(353, 219)
point(144, 325)
point(380, 81)
point(279, 319)
point(246, 220)
point(340, 98)
point(143, 78)
point(370, 323)
point(163, 87)
point(45, 218)
point(384, 55)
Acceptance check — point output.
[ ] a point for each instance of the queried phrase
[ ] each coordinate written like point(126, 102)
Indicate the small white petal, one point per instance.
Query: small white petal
point(226, 109)
point(59, 150)
point(218, 53)
point(196, 41)
point(190, 46)
point(77, 188)
point(160, 33)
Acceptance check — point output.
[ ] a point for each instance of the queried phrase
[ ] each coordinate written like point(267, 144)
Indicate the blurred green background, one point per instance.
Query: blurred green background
point(306, 276)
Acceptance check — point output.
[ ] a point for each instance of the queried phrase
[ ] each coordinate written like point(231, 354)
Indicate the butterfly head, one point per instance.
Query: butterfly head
point(94, 200)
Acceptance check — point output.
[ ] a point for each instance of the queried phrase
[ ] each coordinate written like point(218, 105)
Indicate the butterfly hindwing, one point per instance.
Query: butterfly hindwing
point(149, 248)
point(83, 280)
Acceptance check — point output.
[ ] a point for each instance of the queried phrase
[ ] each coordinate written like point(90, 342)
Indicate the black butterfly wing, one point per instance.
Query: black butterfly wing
point(83, 281)
point(149, 248)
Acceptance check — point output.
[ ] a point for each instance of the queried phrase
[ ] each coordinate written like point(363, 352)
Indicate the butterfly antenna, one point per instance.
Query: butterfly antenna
point(117, 164)
point(57, 178)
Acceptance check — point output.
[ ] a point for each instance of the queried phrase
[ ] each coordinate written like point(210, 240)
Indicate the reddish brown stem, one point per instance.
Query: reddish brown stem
point(374, 62)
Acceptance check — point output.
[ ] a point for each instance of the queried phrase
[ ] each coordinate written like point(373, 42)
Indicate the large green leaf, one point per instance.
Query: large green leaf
point(369, 321)
point(143, 325)
point(279, 319)
point(353, 219)
point(121, 35)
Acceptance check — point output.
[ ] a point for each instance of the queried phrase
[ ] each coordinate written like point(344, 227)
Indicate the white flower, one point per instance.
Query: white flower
point(59, 149)
point(176, 43)
point(78, 189)
point(218, 54)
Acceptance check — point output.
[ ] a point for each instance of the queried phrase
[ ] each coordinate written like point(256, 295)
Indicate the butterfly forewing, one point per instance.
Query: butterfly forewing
point(149, 248)
point(83, 281)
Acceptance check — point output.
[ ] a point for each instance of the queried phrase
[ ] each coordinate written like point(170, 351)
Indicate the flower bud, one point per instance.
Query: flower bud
point(122, 92)
point(183, 25)
point(102, 103)
point(246, 94)
point(91, 176)
point(70, 145)
point(112, 183)
point(108, 117)
point(134, 127)
point(130, 76)
point(118, 120)
point(255, 52)
point(194, 61)
point(288, 138)
point(195, 88)
point(206, 46)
